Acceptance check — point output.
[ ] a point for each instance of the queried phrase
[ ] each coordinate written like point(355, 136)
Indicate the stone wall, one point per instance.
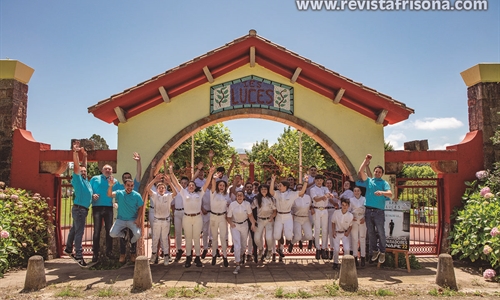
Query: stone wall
point(13, 113)
point(484, 106)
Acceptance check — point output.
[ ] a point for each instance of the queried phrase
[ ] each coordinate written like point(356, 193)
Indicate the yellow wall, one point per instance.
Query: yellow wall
point(146, 133)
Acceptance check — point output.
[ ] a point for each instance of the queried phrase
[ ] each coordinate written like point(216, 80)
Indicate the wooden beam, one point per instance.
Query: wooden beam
point(339, 95)
point(252, 56)
point(120, 113)
point(164, 94)
point(208, 74)
point(381, 116)
point(296, 75)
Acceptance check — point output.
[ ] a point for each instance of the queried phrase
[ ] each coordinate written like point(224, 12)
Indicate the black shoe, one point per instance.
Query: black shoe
point(324, 254)
point(81, 262)
point(68, 252)
point(310, 245)
point(204, 253)
point(280, 252)
point(157, 259)
point(178, 255)
point(95, 258)
point(232, 249)
point(335, 266)
point(317, 253)
point(187, 264)
point(274, 257)
point(214, 260)
point(356, 262)
point(197, 262)
point(290, 247)
point(362, 262)
point(331, 255)
point(226, 263)
point(300, 245)
point(242, 259)
point(255, 258)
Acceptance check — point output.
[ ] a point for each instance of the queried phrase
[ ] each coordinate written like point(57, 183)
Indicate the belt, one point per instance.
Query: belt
point(320, 208)
point(264, 218)
point(241, 222)
point(76, 205)
point(330, 207)
point(162, 219)
point(192, 215)
point(218, 214)
point(372, 208)
point(301, 216)
point(340, 231)
point(283, 213)
point(179, 209)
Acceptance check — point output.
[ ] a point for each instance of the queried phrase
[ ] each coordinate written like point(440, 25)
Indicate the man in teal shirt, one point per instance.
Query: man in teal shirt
point(81, 203)
point(130, 210)
point(377, 192)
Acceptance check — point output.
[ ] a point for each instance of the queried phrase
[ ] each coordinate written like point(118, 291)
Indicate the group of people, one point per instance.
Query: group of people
point(262, 219)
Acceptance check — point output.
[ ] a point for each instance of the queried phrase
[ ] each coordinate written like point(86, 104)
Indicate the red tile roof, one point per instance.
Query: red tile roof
point(276, 58)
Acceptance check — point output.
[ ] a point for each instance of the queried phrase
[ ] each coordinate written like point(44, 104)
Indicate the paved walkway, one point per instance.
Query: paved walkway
point(293, 272)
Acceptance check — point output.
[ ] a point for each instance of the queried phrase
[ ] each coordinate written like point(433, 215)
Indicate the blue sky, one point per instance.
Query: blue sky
point(86, 51)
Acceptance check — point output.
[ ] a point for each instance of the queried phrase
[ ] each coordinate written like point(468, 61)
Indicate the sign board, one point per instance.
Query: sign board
point(251, 92)
point(397, 224)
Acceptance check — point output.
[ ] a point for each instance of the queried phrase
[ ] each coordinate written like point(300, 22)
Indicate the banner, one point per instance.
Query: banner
point(397, 224)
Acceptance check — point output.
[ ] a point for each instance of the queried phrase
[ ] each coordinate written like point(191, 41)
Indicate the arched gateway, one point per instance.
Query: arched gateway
point(250, 77)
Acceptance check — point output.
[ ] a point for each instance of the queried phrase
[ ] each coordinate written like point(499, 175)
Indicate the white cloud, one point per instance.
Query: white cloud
point(395, 139)
point(437, 123)
point(442, 147)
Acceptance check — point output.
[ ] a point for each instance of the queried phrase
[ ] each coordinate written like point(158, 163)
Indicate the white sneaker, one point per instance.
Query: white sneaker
point(153, 258)
point(237, 270)
point(166, 260)
point(381, 258)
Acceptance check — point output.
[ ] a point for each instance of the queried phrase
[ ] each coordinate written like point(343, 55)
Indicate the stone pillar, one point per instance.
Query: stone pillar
point(483, 93)
point(14, 77)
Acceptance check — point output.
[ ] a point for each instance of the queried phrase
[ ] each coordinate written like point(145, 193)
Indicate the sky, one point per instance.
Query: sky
point(86, 51)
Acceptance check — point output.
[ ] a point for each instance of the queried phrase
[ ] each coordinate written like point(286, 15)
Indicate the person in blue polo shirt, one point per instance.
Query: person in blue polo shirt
point(377, 191)
point(102, 210)
point(81, 203)
point(119, 186)
point(130, 210)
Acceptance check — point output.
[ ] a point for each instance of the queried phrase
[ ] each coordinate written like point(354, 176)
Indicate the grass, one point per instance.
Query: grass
point(384, 293)
point(185, 292)
point(444, 292)
point(69, 292)
point(108, 292)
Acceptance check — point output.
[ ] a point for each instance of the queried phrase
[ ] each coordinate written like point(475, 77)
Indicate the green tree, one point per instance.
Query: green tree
point(217, 138)
point(419, 196)
point(388, 146)
point(99, 144)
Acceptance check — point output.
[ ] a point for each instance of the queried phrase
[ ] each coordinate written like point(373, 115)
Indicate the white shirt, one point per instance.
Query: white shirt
point(205, 201)
point(319, 191)
point(357, 207)
point(199, 182)
point(309, 181)
point(267, 208)
point(219, 202)
point(342, 221)
point(192, 201)
point(239, 212)
point(347, 194)
point(284, 201)
point(301, 206)
point(161, 204)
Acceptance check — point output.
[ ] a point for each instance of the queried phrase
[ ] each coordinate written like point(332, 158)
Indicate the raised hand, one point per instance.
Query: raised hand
point(136, 156)
point(76, 146)
point(111, 181)
point(200, 165)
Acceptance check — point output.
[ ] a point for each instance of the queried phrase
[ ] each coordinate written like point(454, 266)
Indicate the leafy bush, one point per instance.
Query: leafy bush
point(25, 227)
point(475, 234)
